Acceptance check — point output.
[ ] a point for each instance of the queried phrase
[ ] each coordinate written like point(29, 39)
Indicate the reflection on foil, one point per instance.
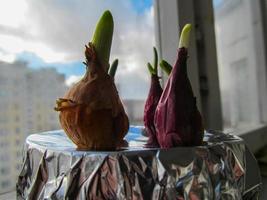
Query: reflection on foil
point(54, 169)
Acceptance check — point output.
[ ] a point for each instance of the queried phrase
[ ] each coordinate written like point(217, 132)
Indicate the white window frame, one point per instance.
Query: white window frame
point(205, 80)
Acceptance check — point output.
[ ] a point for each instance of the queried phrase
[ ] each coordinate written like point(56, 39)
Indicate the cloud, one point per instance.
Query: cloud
point(56, 31)
point(12, 12)
point(72, 79)
point(66, 26)
point(13, 45)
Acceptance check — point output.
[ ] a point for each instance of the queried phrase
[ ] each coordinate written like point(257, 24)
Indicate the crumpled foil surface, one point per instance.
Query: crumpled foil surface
point(221, 169)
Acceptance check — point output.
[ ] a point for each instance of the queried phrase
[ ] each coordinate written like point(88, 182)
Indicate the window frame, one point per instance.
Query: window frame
point(205, 81)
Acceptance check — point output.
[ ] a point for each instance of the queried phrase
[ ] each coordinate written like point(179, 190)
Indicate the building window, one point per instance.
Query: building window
point(18, 154)
point(4, 170)
point(18, 166)
point(39, 127)
point(3, 93)
point(16, 106)
point(17, 142)
point(17, 130)
point(17, 118)
point(5, 184)
point(4, 157)
point(3, 132)
point(4, 144)
point(3, 80)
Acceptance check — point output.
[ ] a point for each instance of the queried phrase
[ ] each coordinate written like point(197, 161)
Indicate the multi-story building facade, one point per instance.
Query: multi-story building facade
point(135, 110)
point(44, 86)
point(27, 98)
point(12, 120)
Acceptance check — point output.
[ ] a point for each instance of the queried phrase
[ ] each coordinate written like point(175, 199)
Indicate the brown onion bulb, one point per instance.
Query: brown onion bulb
point(91, 112)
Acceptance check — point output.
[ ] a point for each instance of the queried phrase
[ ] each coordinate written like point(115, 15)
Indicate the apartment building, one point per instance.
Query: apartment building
point(27, 98)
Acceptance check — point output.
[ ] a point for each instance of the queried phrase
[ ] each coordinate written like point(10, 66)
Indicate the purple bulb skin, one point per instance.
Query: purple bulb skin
point(154, 94)
point(177, 119)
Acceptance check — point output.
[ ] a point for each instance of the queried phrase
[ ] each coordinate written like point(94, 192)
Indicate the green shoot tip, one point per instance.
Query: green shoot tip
point(185, 36)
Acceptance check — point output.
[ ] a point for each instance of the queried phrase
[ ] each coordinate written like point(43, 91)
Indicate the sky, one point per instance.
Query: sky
point(217, 3)
point(53, 33)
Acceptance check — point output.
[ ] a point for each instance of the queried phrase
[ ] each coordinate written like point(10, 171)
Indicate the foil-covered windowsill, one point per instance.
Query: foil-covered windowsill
point(54, 169)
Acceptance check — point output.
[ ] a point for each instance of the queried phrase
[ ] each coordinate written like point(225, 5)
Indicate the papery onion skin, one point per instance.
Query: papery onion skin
point(152, 102)
point(154, 94)
point(178, 121)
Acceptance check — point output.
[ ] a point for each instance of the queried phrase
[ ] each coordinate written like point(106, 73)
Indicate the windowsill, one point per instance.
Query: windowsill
point(255, 136)
point(9, 195)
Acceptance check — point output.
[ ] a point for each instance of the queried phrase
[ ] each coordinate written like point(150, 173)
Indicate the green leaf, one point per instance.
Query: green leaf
point(155, 60)
point(150, 69)
point(113, 68)
point(102, 38)
point(166, 67)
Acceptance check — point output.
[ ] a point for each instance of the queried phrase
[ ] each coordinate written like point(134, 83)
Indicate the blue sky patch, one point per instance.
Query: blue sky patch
point(141, 6)
point(217, 3)
point(35, 62)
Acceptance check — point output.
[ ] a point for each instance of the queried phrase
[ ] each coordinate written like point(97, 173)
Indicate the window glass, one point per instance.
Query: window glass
point(41, 55)
point(238, 33)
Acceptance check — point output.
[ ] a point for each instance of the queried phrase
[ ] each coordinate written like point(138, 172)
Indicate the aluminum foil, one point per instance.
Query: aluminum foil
point(221, 169)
